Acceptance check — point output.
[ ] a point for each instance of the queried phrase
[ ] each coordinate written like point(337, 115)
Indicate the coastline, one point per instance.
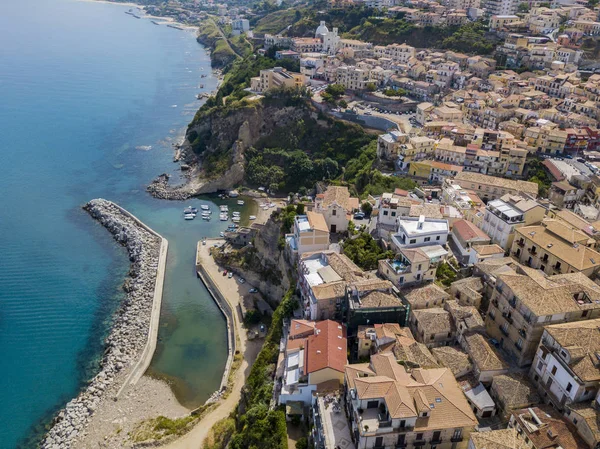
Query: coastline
point(132, 338)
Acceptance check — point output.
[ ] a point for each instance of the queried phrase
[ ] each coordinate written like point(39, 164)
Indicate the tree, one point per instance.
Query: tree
point(300, 209)
point(343, 104)
point(302, 443)
point(367, 208)
point(364, 251)
point(335, 90)
point(523, 7)
point(371, 87)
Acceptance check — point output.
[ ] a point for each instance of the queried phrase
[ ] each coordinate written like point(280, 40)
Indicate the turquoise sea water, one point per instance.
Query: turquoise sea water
point(81, 86)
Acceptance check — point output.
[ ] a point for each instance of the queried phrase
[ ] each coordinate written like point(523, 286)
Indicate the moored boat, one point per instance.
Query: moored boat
point(240, 202)
point(252, 217)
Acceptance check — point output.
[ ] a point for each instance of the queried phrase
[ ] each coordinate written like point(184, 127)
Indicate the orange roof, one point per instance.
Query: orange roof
point(327, 347)
point(401, 192)
point(317, 221)
point(301, 327)
point(468, 231)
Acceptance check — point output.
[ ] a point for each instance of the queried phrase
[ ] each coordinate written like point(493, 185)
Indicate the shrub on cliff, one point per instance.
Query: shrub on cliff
point(364, 251)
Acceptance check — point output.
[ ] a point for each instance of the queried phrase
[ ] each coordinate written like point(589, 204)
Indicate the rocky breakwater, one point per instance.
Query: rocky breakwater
point(130, 328)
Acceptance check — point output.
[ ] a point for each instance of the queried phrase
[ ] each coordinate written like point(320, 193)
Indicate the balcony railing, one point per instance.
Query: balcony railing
point(504, 331)
point(512, 303)
point(519, 348)
point(520, 243)
point(435, 442)
point(495, 302)
point(383, 421)
point(533, 251)
point(419, 443)
point(522, 333)
point(456, 439)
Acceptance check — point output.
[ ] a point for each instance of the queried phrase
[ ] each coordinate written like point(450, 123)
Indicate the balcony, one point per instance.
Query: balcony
point(495, 302)
point(533, 251)
point(435, 442)
point(512, 303)
point(504, 331)
point(384, 421)
point(520, 243)
point(522, 333)
point(419, 443)
point(456, 439)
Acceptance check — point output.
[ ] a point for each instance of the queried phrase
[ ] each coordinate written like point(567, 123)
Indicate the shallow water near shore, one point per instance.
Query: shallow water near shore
point(85, 90)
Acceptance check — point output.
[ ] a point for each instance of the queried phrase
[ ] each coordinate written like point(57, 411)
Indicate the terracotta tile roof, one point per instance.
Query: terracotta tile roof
point(341, 196)
point(391, 330)
point(553, 433)
point(434, 321)
point(560, 245)
point(301, 327)
point(468, 231)
point(515, 390)
point(343, 266)
point(478, 178)
point(453, 358)
point(498, 439)
point(553, 169)
point(414, 255)
point(317, 221)
point(429, 210)
point(581, 339)
point(327, 348)
point(432, 390)
point(331, 290)
point(488, 250)
point(467, 315)
point(483, 355)
point(372, 284)
point(430, 295)
point(553, 294)
point(590, 415)
point(413, 353)
point(375, 299)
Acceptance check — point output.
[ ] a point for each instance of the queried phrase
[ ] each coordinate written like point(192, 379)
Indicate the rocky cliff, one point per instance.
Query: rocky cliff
point(215, 144)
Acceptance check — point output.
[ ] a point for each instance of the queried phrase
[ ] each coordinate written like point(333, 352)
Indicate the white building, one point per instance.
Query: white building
point(330, 39)
point(240, 26)
point(500, 7)
point(566, 366)
point(336, 205)
point(504, 215)
point(414, 232)
point(309, 234)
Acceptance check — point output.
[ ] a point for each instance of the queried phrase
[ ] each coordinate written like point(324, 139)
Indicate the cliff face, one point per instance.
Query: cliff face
point(215, 144)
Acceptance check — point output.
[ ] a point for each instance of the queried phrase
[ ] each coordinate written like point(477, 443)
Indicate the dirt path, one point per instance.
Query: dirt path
point(233, 292)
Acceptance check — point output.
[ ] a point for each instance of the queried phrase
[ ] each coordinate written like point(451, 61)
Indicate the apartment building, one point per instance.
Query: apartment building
point(464, 239)
point(526, 301)
point(499, 7)
point(415, 232)
point(353, 78)
point(312, 358)
point(487, 362)
point(391, 407)
point(504, 215)
point(491, 187)
point(309, 233)
point(433, 327)
point(412, 266)
point(372, 301)
point(426, 297)
point(555, 247)
point(566, 367)
point(322, 280)
point(275, 78)
point(336, 205)
point(388, 208)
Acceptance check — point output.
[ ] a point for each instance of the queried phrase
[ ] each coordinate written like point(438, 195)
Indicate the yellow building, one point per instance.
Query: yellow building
point(276, 77)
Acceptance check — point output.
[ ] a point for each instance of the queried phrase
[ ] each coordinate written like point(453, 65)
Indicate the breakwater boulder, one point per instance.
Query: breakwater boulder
point(130, 327)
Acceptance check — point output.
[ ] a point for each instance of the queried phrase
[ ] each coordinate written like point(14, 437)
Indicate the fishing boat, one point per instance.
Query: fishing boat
point(207, 217)
point(235, 214)
point(252, 217)
point(240, 202)
point(223, 217)
point(224, 208)
point(189, 216)
point(204, 207)
point(190, 210)
point(235, 219)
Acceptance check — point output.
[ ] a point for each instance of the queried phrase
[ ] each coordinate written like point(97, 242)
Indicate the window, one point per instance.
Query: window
point(393, 214)
point(438, 237)
point(419, 267)
point(372, 404)
point(413, 241)
point(553, 370)
point(420, 435)
point(457, 434)
point(584, 313)
point(569, 386)
point(334, 212)
point(403, 423)
point(431, 338)
point(385, 212)
point(492, 314)
point(427, 239)
point(540, 365)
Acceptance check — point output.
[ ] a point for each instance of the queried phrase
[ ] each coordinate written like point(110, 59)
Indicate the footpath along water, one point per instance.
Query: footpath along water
point(92, 100)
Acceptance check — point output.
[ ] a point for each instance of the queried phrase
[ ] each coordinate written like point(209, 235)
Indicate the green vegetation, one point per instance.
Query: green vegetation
point(210, 35)
point(302, 443)
point(275, 22)
point(255, 424)
point(220, 434)
point(367, 208)
point(333, 92)
point(364, 251)
point(394, 92)
point(346, 18)
point(469, 38)
point(371, 87)
point(538, 174)
point(160, 427)
point(445, 275)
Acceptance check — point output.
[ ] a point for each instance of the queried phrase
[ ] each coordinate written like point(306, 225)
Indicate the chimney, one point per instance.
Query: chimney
point(421, 221)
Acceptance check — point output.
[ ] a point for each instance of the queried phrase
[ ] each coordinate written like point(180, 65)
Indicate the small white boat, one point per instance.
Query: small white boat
point(234, 194)
point(223, 208)
point(235, 219)
point(252, 217)
point(240, 202)
point(189, 217)
point(223, 217)
point(204, 207)
point(189, 210)
point(235, 214)
point(221, 234)
point(207, 218)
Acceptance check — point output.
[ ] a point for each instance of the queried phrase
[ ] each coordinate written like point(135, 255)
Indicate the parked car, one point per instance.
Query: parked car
point(580, 159)
point(252, 290)
point(241, 280)
point(230, 275)
point(224, 272)
point(359, 215)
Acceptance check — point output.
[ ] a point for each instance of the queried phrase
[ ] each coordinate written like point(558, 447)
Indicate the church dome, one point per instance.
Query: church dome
point(322, 29)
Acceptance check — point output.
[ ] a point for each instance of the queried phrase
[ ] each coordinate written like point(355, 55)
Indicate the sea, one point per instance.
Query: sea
point(91, 101)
